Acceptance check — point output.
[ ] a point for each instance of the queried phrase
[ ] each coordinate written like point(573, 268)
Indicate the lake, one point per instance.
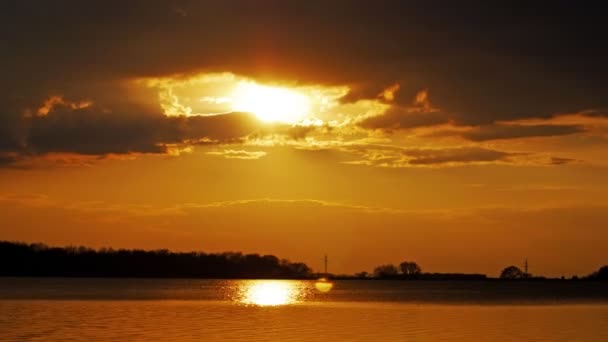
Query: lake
point(61, 309)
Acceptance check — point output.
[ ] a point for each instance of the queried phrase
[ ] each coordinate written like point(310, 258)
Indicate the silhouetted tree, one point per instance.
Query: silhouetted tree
point(512, 272)
point(601, 274)
point(39, 260)
point(410, 268)
point(386, 271)
point(361, 275)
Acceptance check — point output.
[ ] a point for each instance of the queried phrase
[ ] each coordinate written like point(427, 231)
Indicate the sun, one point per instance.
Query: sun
point(270, 104)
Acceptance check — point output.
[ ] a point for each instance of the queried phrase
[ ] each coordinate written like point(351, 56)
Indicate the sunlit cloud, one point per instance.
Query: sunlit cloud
point(192, 95)
point(216, 93)
point(422, 100)
point(239, 154)
point(215, 100)
point(400, 117)
point(391, 156)
point(56, 100)
point(388, 93)
point(233, 111)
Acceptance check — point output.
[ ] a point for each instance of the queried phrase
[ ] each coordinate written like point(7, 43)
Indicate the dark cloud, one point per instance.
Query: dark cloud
point(395, 157)
point(480, 63)
point(299, 132)
point(455, 155)
point(397, 118)
point(295, 132)
point(511, 131)
point(224, 128)
point(596, 113)
point(8, 138)
point(8, 160)
point(403, 118)
point(93, 131)
point(561, 161)
point(355, 42)
point(11, 131)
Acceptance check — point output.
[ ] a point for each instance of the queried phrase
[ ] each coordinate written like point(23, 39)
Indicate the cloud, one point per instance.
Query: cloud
point(8, 160)
point(475, 77)
point(95, 131)
point(476, 64)
point(239, 154)
point(396, 157)
point(419, 113)
point(388, 94)
point(513, 131)
point(403, 118)
point(561, 161)
point(294, 203)
point(591, 122)
point(598, 112)
point(41, 200)
point(423, 114)
point(58, 100)
point(455, 155)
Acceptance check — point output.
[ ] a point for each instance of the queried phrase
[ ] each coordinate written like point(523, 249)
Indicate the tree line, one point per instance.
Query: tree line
point(411, 270)
point(34, 260)
point(405, 269)
point(515, 273)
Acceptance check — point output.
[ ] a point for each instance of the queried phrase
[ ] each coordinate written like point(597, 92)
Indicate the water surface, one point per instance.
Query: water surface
point(224, 310)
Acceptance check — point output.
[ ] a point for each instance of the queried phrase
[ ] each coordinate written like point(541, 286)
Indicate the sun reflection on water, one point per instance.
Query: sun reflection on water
point(323, 285)
point(270, 293)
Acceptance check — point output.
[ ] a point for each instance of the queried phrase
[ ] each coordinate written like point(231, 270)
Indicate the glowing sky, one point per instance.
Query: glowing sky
point(375, 132)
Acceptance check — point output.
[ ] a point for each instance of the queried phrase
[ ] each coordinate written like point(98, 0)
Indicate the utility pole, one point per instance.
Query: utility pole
point(526, 266)
point(325, 264)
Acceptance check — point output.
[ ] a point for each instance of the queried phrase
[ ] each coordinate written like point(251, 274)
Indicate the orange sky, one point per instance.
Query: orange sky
point(374, 134)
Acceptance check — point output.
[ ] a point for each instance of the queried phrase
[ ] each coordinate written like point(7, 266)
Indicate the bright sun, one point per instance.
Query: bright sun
point(270, 104)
